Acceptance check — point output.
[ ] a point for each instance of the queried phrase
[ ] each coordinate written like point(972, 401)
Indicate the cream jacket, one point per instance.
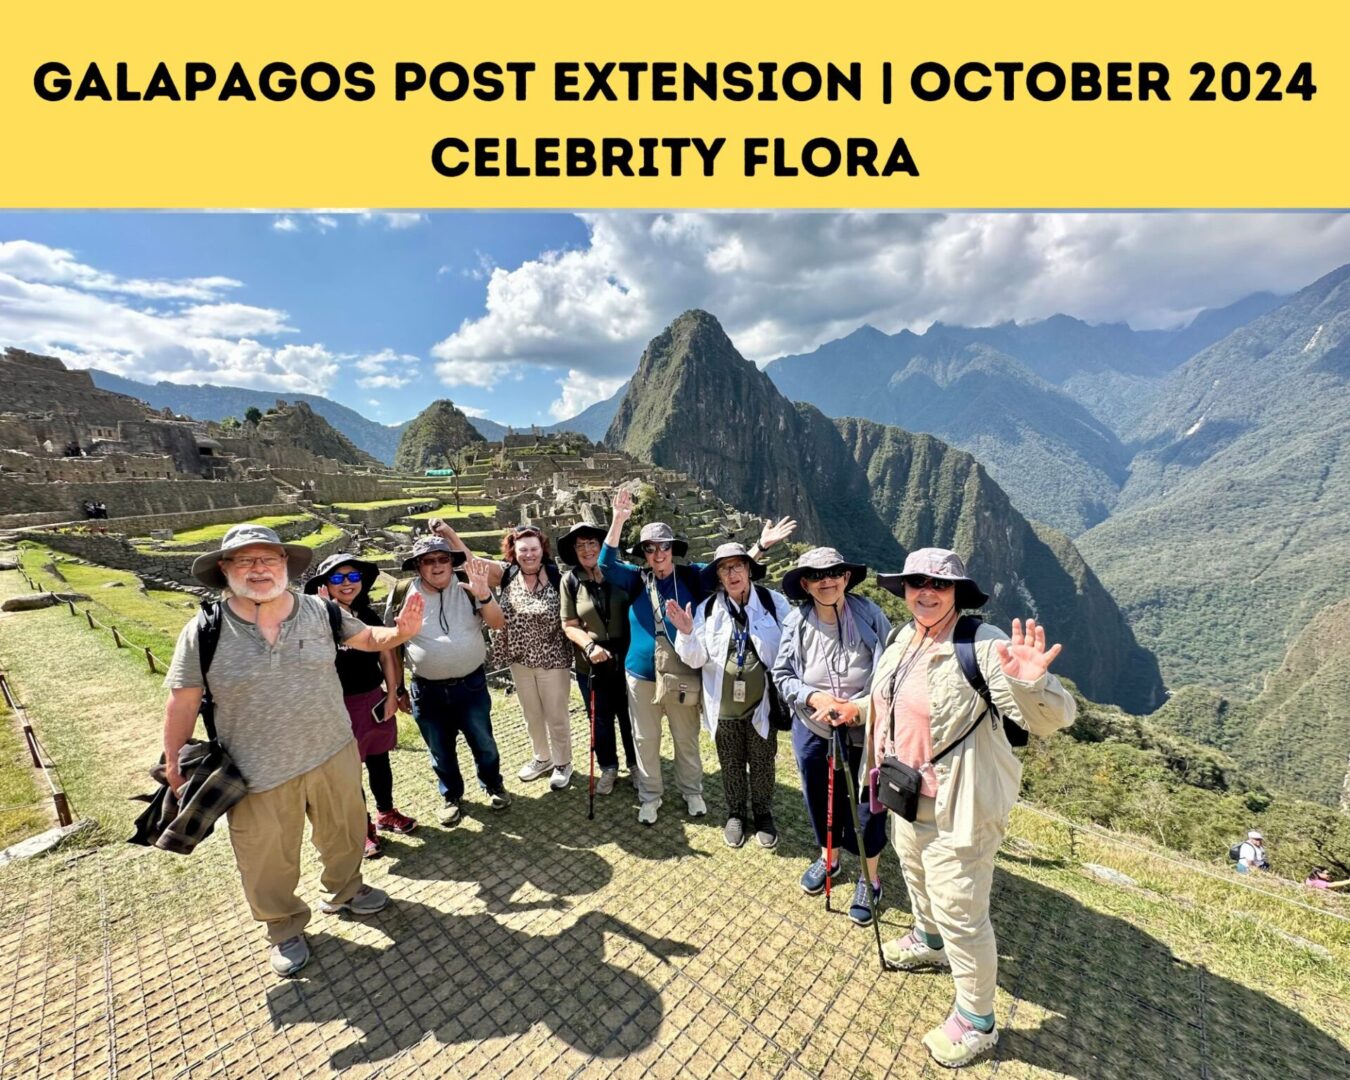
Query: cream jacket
point(980, 780)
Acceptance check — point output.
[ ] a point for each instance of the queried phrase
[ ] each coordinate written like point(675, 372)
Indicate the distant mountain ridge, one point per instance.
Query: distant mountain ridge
point(695, 404)
point(1043, 405)
point(432, 438)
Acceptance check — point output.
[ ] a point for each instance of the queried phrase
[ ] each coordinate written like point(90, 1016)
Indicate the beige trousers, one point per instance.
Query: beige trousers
point(544, 694)
point(266, 828)
point(684, 725)
point(949, 894)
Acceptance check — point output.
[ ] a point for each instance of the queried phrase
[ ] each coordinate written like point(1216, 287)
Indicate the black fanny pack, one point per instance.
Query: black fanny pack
point(898, 784)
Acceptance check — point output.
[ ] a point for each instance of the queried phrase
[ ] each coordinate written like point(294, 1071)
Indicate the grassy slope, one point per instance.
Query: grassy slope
point(22, 811)
point(193, 537)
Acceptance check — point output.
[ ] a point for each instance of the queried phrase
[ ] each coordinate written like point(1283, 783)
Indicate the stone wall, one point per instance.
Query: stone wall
point(116, 552)
point(50, 468)
point(378, 517)
point(336, 487)
point(141, 526)
point(133, 498)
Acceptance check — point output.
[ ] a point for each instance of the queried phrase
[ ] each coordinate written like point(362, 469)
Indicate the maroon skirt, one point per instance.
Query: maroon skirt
point(371, 738)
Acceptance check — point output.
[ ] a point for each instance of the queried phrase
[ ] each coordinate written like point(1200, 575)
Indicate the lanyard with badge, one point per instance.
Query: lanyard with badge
point(740, 637)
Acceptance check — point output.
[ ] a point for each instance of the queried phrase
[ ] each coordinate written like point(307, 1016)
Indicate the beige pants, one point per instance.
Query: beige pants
point(266, 828)
point(544, 694)
point(949, 894)
point(684, 725)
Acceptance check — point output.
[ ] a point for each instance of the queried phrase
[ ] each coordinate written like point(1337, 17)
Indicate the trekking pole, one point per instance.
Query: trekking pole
point(590, 806)
point(829, 824)
point(862, 853)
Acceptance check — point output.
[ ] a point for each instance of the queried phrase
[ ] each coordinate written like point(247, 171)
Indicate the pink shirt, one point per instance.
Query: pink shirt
point(909, 735)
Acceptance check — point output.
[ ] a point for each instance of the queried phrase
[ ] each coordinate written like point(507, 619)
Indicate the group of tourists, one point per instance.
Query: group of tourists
point(653, 642)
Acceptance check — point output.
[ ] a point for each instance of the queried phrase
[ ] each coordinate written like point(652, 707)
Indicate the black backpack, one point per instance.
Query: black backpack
point(1235, 852)
point(208, 637)
point(780, 715)
point(963, 640)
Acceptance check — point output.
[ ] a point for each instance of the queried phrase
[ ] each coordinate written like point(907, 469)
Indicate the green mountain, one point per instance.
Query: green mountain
point(299, 425)
point(431, 438)
point(1296, 732)
point(873, 491)
point(1229, 536)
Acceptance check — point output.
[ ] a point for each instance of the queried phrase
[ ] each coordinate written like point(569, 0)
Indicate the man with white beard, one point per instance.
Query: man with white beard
point(279, 714)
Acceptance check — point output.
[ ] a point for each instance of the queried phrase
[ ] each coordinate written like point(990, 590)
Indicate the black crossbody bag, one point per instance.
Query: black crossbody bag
point(898, 784)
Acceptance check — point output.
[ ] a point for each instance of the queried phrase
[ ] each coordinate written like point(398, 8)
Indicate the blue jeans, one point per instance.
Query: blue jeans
point(611, 703)
point(442, 710)
point(812, 753)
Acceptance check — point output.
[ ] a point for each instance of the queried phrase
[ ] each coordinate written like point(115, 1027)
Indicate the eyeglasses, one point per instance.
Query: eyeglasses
point(267, 562)
point(652, 546)
point(732, 566)
point(939, 584)
point(434, 560)
point(834, 573)
point(353, 576)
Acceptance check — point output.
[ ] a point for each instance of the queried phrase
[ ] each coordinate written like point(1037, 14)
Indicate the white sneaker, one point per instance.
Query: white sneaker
point(534, 769)
point(562, 776)
point(647, 812)
point(697, 807)
point(604, 784)
point(912, 951)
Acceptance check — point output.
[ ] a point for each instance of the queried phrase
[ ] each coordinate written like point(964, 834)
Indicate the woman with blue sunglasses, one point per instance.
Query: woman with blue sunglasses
point(369, 690)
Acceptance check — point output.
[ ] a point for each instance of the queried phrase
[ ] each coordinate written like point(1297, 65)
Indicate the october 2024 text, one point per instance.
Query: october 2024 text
point(596, 83)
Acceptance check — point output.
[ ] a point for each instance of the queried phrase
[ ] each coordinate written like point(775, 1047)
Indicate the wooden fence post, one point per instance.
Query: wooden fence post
point(150, 659)
point(117, 638)
point(90, 616)
point(72, 606)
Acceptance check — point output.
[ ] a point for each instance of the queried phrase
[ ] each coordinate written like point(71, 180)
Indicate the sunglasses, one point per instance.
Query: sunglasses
point(526, 530)
point(353, 576)
point(656, 545)
point(929, 583)
point(832, 574)
point(434, 560)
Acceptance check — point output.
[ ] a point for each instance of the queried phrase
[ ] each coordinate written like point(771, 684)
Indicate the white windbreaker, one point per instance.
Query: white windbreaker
point(707, 646)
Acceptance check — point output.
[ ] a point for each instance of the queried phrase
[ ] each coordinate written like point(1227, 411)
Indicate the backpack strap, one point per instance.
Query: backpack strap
point(766, 602)
point(963, 638)
point(208, 637)
point(708, 607)
point(335, 620)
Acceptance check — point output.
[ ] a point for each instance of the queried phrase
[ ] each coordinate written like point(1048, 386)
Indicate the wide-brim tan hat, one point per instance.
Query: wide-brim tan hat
point(731, 550)
point(937, 563)
point(206, 568)
point(425, 545)
point(821, 558)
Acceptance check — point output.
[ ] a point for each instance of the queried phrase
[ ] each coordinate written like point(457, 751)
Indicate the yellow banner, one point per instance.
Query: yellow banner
point(696, 104)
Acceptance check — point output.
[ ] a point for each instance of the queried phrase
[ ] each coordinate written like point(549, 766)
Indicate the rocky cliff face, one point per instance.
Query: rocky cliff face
point(933, 495)
point(300, 426)
point(873, 491)
point(695, 404)
point(431, 438)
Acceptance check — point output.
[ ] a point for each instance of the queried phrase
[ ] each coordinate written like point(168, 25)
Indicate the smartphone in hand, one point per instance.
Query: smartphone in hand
point(377, 710)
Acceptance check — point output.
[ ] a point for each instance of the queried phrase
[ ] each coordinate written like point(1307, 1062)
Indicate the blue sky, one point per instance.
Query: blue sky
point(530, 317)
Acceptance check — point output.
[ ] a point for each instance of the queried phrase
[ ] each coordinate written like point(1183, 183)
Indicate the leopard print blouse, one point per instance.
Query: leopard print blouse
point(533, 635)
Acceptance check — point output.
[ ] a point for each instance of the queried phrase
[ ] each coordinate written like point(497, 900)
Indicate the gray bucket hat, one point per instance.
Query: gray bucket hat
point(821, 558)
point(730, 550)
point(941, 564)
point(659, 531)
point(369, 572)
point(425, 545)
point(567, 543)
point(205, 568)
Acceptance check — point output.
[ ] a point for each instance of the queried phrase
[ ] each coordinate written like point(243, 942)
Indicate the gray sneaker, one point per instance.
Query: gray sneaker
point(366, 901)
point(448, 814)
point(604, 784)
point(290, 956)
point(734, 834)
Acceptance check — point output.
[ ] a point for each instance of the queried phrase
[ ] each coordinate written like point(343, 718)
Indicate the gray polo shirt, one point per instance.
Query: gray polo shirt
point(279, 709)
point(450, 643)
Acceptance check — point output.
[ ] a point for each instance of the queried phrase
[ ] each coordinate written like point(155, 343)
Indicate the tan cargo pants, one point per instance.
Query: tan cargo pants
point(684, 725)
point(949, 895)
point(266, 828)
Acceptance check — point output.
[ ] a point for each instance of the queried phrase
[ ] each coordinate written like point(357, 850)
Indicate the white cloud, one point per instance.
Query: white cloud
point(580, 391)
point(787, 282)
point(51, 303)
point(387, 369)
point(325, 222)
point(472, 411)
point(393, 219)
point(39, 263)
point(286, 223)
